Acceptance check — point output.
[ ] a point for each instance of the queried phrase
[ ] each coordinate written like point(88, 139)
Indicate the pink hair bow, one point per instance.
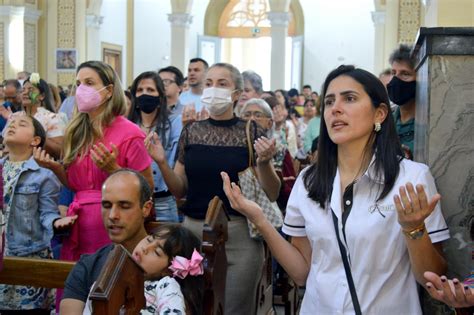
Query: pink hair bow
point(182, 266)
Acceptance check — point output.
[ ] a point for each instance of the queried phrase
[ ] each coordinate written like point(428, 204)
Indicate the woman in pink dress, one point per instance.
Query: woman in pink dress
point(98, 141)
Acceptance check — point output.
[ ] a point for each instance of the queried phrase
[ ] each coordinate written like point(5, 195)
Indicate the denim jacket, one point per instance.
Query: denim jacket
point(34, 207)
point(171, 148)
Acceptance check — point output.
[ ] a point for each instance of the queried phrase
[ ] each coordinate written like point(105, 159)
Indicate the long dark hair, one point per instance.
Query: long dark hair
point(161, 117)
point(319, 178)
point(44, 89)
point(285, 96)
point(180, 241)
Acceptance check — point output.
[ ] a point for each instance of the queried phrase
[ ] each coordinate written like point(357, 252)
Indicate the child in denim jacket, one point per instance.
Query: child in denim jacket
point(30, 207)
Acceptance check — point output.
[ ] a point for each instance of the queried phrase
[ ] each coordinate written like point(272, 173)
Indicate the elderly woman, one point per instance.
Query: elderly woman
point(206, 148)
point(260, 111)
point(365, 222)
point(253, 88)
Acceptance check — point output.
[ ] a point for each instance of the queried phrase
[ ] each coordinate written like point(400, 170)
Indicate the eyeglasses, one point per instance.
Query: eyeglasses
point(168, 82)
point(255, 114)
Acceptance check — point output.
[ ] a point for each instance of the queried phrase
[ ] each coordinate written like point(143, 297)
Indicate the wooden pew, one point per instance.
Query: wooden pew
point(49, 273)
point(265, 286)
point(44, 273)
point(112, 293)
point(120, 285)
point(215, 259)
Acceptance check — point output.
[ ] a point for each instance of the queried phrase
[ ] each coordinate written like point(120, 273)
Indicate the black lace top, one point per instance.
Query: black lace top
point(207, 148)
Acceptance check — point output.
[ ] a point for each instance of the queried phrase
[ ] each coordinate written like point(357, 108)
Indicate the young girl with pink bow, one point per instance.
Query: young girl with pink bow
point(173, 271)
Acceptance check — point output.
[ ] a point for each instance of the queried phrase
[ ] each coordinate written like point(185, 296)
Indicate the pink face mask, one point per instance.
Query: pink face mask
point(88, 98)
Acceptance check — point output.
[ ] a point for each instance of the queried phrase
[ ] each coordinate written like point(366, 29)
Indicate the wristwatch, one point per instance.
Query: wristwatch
point(416, 233)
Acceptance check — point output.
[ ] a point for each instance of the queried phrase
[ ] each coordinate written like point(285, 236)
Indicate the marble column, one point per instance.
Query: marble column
point(93, 23)
point(279, 32)
point(180, 39)
point(18, 40)
point(378, 17)
point(444, 138)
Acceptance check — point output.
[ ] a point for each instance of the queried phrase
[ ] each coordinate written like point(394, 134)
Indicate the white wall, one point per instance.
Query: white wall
point(336, 32)
point(152, 35)
point(198, 11)
point(153, 30)
point(114, 29)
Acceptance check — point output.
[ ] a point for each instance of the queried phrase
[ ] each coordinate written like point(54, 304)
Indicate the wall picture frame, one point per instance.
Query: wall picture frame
point(66, 59)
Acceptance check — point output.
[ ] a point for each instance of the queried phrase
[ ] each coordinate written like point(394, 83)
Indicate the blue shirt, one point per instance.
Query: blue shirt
point(34, 207)
point(67, 106)
point(176, 110)
point(171, 147)
point(188, 98)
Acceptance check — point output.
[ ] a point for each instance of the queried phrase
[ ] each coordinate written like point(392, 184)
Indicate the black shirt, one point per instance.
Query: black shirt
point(207, 148)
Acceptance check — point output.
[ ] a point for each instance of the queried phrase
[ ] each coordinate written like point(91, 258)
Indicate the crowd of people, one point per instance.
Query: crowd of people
point(84, 170)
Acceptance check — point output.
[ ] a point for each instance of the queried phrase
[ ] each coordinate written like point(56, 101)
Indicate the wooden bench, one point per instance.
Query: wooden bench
point(113, 292)
point(44, 273)
point(48, 273)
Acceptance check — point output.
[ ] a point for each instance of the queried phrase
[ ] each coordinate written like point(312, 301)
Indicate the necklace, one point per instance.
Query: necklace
point(147, 127)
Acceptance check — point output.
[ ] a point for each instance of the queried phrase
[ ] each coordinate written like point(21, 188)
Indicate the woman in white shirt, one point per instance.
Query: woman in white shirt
point(388, 231)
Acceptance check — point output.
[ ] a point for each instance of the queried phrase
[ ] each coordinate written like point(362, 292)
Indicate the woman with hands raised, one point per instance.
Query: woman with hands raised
point(206, 148)
point(98, 141)
point(150, 112)
point(365, 223)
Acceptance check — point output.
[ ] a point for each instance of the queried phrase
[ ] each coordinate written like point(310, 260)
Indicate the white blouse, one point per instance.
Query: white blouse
point(377, 250)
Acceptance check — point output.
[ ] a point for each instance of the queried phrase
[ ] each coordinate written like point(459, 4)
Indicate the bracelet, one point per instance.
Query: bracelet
point(415, 233)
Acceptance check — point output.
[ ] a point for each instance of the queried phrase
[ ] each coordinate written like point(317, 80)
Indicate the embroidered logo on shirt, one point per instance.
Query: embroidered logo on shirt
point(381, 208)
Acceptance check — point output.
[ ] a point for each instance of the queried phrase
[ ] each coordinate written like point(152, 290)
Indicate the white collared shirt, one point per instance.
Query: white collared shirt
point(377, 249)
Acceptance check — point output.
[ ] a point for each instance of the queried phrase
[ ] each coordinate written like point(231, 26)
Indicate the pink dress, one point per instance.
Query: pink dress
point(88, 234)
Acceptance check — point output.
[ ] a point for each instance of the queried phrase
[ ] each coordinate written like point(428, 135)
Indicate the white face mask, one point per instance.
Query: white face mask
point(216, 100)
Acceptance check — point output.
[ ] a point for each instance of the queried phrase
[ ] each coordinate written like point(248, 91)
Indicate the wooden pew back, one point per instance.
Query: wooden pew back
point(48, 273)
point(120, 283)
point(44, 273)
point(215, 259)
point(112, 292)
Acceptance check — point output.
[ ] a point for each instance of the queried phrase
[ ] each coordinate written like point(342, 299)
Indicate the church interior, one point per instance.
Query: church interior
point(281, 47)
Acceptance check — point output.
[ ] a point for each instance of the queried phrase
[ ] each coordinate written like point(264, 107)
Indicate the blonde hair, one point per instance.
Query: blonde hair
point(82, 132)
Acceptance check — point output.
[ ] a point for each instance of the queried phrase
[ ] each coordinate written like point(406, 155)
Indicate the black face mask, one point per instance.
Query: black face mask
point(401, 92)
point(148, 103)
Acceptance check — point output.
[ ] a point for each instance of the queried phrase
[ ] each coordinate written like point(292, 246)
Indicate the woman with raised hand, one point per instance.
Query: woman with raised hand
point(98, 141)
point(365, 222)
point(150, 112)
point(206, 148)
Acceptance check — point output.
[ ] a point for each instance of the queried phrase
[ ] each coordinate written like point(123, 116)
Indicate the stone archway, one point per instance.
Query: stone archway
point(282, 29)
point(215, 9)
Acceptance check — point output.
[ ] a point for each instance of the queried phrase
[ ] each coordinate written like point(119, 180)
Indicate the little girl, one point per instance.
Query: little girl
point(173, 271)
point(30, 209)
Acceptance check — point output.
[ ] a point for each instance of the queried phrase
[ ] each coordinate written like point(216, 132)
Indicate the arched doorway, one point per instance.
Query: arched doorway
point(238, 32)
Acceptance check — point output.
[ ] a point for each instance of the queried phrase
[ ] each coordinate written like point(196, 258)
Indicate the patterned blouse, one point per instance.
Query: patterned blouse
point(53, 123)
point(162, 297)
